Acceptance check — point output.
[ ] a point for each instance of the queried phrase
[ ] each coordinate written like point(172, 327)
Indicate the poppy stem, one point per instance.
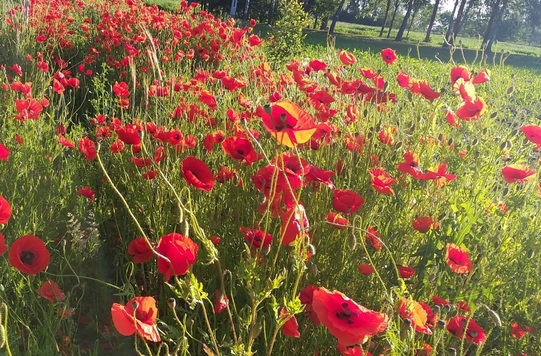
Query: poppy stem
point(211, 332)
point(222, 287)
point(5, 331)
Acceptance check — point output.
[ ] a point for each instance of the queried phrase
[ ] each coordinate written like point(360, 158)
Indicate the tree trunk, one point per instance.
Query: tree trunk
point(415, 12)
point(246, 8)
point(272, 9)
point(387, 8)
point(432, 20)
point(450, 28)
point(458, 22)
point(402, 28)
point(336, 15)
point(396, 6)
point(324, 23)
point(494, 32)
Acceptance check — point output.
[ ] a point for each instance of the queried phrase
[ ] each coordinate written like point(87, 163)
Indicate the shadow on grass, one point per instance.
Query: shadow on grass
point(355, 42)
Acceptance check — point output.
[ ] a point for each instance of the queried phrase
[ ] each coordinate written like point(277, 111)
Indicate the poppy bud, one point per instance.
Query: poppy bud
point(313, 270)
point(447, 308)
point(171, 303)
point(510, 90)
point(441, 324)
point(2, 336)
point(352, 241)
point(266, 249)
point(494, 317)
point(311, 249)
point(452, 351)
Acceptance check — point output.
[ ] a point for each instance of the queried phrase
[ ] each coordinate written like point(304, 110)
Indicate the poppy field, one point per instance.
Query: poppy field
point(166, 189)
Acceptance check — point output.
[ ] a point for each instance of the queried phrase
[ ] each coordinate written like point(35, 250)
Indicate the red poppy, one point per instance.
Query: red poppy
point(241, 150)
point(458, 259)
point(352, 350)
point(482, 77)
point(337, 221)
point(373, 237)
point(317, 65)
point(381, 181)
point(207, 97)
point(140, 250)
point(346, 201)
point(5, 210)
point(461, 326)
point(439, 174)
point(255, 237)
point(306, 297)
point(29, 255)
point(410, 164)
point(518, 332)
point(366, 269)
point(348, 321)
point(440, 301)
point(388, 55)
point(533, 134)
point(4, 153)
point(516, 173)
point(197, 173)
point(416, 313)
point(129, 134)
point(463, 306)
point(291, 326)
point(424, 224)
point(316, 174)
point(347, 58)
point(405, 272)
point(50, 291)
point(427, 91)
point(221, 301)
point(459, 72)
point(181, 252)
point(138, 315)
point(294, 224)
point(65, 142)
point(288, 123)
point(87, 193)
point(88, 148)
point(472, 110)
point(386, 137)
point(3, 245)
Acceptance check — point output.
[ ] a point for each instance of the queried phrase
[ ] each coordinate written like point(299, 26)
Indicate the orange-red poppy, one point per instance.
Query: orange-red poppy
point(137, 316)
point(181, 252)
point(347, 58)
point(417, 314)
point(29, 254)
point(472, 110)
point(517, 173)
point(348, 321)
point(533, 134)
point(50, 291)
point(459, 72)
point(197, 173)
point(288, 123)
point(458, 259)
point(381, 181)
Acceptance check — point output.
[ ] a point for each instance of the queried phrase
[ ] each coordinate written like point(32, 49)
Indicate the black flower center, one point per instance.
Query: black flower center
point(346, 314)
point(27, 257)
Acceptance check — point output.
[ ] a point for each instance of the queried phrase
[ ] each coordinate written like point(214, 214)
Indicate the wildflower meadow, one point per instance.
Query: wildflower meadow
point(168, 189)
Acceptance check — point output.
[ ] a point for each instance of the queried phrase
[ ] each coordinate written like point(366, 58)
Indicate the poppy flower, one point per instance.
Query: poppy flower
point(255, 237)
point(3, 245)
point(317, 65)
point(197, 173)
point(424, 224)
point(381, 181)
point(427, 92)
point(4, 153)
point(88, 148)
point(337, 221)
point(129, 134)
point(439, 174)
point(346, 201)
point(366, 269)
point(518, 332)
point(440, 301)
point(316, 174)
point(5, 210)
point(533, 134)
point(87, 193)
point(140, 250)
point(294, 224)
point(306, 297)
point(516, 173)
point(373, 237)
point(410, 165)
point(50, 291)
point(346, 320)
point(347, 58)
point(291, 326)
point(288, 123)
point(459, 72)
point(405, 272)
point(388, 55)
point(29, 255)
point(458, 259)
point(463, 306)
point(482, 77)
point(240, 149)
point(137, 316)
point(460, 326)
point(221, 302)
point(416, 313)
point(472, 110)
point(65, 142)
point(181, 252)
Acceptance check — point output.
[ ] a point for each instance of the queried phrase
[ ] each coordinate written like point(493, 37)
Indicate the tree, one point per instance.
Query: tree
point(336, 15)
point(457, 24)
point(432, 20)
point(402, 28)
point(387, 7)
point(396, 6)
point(494, 22)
